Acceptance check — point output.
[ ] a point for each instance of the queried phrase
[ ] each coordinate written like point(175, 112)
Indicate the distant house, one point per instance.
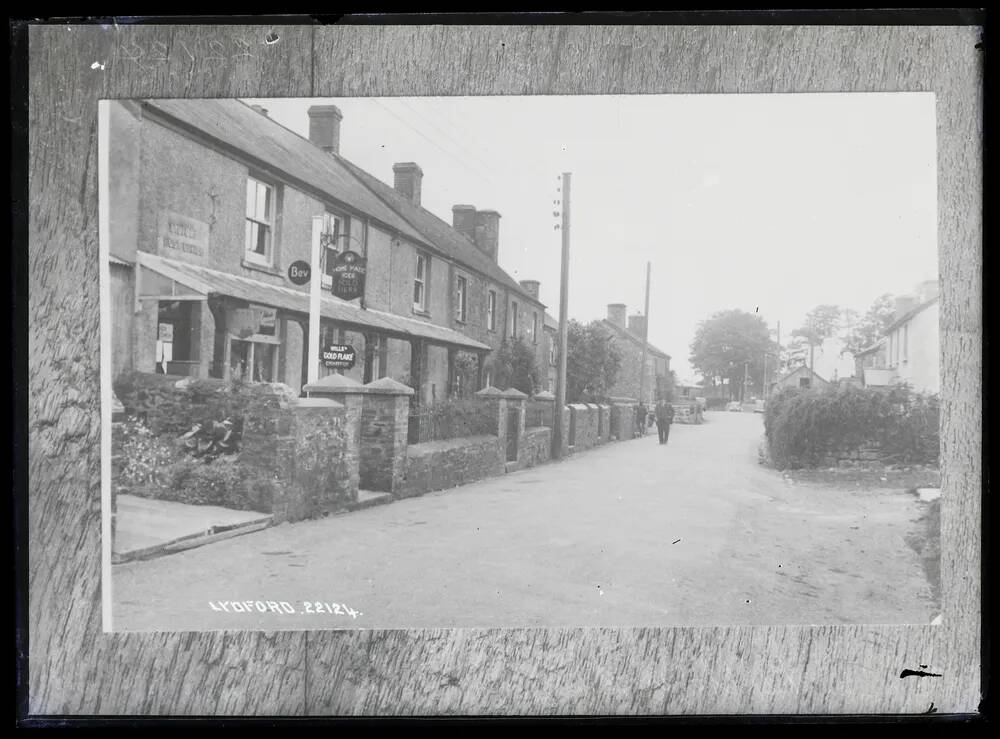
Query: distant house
point(629, 341)
point(550, 329)
point(801, 377)
point(912, 342)
point(870, 364)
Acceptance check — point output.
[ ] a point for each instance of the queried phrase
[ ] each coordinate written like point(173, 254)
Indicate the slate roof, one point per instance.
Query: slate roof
point(237, 125)
point(256, 136)
point(209, 281)
point(911, 313)
point(439, 233)
point(633, 338)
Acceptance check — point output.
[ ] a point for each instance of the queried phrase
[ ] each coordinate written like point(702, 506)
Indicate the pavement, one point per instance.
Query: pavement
point(694, 533)
point(146, 527)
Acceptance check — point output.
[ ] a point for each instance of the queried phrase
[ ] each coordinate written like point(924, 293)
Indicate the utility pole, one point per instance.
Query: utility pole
point(645, 336)
point(313, 350)
point(557, 429)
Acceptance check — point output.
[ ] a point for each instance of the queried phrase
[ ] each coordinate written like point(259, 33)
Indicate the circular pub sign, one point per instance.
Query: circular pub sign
point(299, 272)
point(339, 356)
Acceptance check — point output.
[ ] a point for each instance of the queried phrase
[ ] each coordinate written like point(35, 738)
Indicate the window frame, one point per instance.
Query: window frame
point(513, 319)
point(491, 310)
point(252, 255)
point(534, 327)
point(461, 298)
point(421, 279)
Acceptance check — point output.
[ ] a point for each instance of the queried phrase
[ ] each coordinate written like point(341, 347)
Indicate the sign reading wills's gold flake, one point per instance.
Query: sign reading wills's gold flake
point(181, 237)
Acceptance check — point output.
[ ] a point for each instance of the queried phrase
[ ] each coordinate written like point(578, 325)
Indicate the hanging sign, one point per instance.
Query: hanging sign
point(299, 272)
point(166, 332)
point(349, 272)
point(339, 356)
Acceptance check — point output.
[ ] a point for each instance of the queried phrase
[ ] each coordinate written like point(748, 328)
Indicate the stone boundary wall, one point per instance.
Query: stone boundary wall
point(584, 420)
point(438, 465)
point(536, 447)
point(603, 424)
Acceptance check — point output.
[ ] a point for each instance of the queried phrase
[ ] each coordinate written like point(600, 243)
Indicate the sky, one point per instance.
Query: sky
point(766, 203)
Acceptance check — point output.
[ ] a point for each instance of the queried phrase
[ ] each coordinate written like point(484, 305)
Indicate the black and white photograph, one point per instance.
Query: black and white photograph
point(557, 361)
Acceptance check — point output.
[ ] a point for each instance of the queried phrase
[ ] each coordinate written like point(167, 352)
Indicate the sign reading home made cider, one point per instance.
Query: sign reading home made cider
point(339, 356)
point(181, 237)
point(349, 272)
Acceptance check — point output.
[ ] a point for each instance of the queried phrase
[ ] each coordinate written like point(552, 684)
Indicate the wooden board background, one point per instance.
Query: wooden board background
point(76, 669)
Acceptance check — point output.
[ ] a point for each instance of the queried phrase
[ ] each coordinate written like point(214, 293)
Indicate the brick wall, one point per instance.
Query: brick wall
point(439, 465)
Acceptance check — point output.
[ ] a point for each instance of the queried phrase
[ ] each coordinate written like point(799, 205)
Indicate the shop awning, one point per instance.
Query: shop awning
point(173, 279)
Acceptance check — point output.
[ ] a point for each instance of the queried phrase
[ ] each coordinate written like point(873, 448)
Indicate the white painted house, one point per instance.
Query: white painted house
point(913, 345)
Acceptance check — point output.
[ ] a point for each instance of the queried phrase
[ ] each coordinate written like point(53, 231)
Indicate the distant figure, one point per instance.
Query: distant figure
point(640, 419)
point(664, 417)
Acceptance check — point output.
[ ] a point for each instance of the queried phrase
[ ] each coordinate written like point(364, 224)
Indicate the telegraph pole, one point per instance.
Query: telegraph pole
point(557, 429)
point(645, 342)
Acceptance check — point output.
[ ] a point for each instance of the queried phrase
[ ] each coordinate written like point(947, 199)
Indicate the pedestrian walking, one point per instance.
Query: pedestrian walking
point(640, 420)
point(664, 417)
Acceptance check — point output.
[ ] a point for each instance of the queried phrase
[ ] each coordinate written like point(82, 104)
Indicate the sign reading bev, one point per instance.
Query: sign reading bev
point(339, 356)
point(349, 272)
point(299, 272)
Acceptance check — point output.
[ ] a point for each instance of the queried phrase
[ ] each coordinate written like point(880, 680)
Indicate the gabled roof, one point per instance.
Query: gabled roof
point(912, 312)
point(801, 369)
point(873, 348)
point(633, 338)
point(438, 232)
point(550, 322)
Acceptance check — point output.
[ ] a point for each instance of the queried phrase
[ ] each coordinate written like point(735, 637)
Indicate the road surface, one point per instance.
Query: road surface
point(694, 533)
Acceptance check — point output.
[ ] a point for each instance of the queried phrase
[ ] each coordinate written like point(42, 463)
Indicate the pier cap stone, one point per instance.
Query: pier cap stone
point(388, 386)
point(490, 392)
point(317, 403)
point(334, 384)
point(513, 392)
point(544, 395)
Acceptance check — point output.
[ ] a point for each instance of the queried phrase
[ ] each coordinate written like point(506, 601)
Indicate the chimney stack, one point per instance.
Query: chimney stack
point(637, 325)
point(927, 290)
point(407, 179)
point(487, 236)
point(260, 109)
point(531, 287)
point(616, 314)
point(324, 127)
point(463, 220)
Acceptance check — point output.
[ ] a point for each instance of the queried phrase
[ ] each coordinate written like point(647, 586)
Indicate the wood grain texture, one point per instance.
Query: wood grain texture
point(75, 669)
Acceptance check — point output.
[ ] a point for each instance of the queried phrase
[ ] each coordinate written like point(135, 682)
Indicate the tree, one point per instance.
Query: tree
point(592, 362)
point(865, 330)
point(730, 345)
point(515, 366)
point(821, 323)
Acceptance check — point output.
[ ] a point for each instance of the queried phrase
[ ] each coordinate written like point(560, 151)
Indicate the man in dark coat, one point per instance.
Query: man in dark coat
point(664, 417)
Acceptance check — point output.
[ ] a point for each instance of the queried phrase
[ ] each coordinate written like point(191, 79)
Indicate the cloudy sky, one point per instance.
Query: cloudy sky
point(767, 203)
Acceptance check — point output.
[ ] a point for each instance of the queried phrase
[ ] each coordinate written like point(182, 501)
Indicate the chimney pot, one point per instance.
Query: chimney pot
point(616, 314)
point(407, 179)
point(324, 127)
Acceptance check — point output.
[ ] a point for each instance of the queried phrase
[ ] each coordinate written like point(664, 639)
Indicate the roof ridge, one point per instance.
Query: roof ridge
point(633, 337)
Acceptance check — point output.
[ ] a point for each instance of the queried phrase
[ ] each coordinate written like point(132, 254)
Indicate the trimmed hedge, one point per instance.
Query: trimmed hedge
point(804, 428)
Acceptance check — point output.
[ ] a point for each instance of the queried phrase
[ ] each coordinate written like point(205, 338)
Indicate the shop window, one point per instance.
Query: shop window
point(252, 361)
point(177, 336)
point(259, 239)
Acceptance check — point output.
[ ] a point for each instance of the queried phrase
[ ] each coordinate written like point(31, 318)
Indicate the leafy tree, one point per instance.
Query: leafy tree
point(729, 344)
point(515, 366)
point(592, 362)
point(863, 331)
point(821, 323)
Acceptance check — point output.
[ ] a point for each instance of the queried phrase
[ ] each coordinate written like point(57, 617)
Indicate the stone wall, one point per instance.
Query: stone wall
point(301, 455)
point(536, 447)
point(438, 465)
point(603, 424)
point(853, 457)
point(583, 419)
point(622, 418)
